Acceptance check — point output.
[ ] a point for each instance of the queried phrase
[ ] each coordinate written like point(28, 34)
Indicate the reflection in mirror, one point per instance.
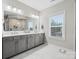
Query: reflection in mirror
point(30, 25)
point(13, 22)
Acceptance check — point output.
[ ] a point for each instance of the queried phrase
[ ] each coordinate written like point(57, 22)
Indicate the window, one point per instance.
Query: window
point(57, 25)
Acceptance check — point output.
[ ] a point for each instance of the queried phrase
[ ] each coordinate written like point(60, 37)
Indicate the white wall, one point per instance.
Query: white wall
point(27, 11)
point(69, 7)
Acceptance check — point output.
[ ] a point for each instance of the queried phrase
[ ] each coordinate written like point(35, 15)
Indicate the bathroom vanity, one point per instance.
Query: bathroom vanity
point(20, 33)
point(13, 45)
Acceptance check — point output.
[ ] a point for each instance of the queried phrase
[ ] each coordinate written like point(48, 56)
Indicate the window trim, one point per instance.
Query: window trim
point(63, 26)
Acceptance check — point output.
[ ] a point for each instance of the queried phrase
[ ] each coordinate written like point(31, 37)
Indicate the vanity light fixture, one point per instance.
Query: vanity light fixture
point(14, 9)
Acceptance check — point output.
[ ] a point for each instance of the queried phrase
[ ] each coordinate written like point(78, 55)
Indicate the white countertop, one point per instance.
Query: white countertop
point(16, 33)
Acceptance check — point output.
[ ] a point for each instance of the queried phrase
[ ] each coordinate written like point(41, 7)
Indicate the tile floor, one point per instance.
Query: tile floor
point(47, 51)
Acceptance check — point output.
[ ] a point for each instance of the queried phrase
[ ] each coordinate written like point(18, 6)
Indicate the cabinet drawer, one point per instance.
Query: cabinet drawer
point(16, 37)
point(22, 37)
point(8, 38)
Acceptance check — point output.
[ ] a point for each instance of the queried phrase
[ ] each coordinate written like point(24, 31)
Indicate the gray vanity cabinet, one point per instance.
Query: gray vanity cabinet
point(16, 44)
point(8, 47)
point(31, 41)
point(22, 44)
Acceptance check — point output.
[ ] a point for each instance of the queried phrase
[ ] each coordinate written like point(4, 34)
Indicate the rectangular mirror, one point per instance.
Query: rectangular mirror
point(14, 22)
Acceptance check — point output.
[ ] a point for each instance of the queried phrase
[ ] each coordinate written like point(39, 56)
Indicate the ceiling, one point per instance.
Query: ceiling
point(40, 4)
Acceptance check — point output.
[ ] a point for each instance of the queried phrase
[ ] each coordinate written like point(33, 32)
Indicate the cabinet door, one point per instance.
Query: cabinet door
point(22, 46)
point(37, 39)
point(30, 41)
point(44, 38)
point(16, 38)
point(41, 38)
point(26, 42)
point(8, 47)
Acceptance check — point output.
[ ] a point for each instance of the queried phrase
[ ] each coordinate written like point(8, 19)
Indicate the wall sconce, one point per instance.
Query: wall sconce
point(42, 27)
point(36, 27)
